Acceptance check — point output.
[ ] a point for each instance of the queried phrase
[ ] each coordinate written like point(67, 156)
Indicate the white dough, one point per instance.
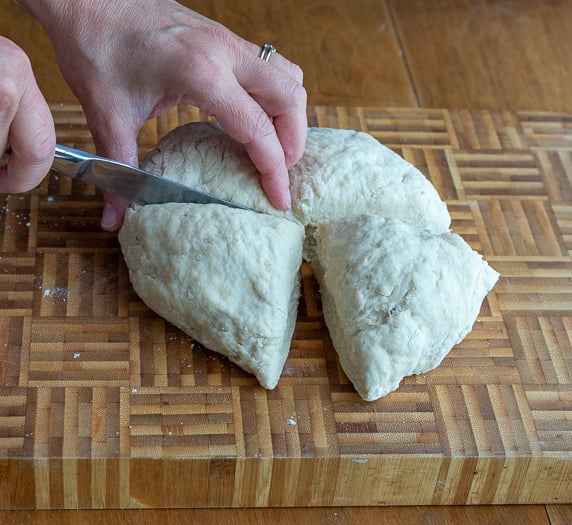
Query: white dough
point(342, 173)
point(396, 299)
point(228, 278)
point(398, 290)
point(203, 156)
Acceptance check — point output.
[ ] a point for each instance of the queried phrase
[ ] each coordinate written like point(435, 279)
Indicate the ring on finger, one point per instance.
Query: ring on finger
point(267, 51)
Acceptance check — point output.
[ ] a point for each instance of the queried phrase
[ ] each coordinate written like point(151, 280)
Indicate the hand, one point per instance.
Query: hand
point(25, 123)
point(130, 61)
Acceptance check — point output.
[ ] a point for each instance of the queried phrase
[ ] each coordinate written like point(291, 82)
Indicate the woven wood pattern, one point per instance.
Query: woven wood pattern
point(94, 387)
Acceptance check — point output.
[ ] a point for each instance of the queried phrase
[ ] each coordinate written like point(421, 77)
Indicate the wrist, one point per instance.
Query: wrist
point(54, 15)
point(42, 8)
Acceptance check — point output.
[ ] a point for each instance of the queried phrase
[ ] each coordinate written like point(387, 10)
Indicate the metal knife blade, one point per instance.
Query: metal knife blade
point(132, 184)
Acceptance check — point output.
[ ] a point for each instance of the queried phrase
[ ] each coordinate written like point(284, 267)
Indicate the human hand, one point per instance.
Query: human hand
point(25, 123)
point(130, 61)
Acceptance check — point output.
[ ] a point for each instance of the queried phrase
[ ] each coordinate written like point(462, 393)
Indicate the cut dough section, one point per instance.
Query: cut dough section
point(396, 299)
point(228, 278)
point(342, 173)
point(203, 156)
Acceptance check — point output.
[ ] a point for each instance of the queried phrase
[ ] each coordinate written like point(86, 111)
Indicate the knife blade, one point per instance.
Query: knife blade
point(132, 184)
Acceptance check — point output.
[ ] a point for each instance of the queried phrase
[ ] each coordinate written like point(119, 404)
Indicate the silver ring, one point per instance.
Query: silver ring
point(267, 51)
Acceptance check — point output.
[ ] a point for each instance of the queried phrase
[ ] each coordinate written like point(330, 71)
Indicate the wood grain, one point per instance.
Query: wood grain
point(359, 65)
point(95, 387)
point(449, 53)
point(489, 55)
point(427, 34)
point(559, 514)
point(483, 515)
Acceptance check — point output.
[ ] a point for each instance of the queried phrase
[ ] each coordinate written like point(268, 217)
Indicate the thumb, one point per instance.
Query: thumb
point(118, 144)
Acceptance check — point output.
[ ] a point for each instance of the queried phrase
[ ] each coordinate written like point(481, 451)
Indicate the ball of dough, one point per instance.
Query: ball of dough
point(398, 290)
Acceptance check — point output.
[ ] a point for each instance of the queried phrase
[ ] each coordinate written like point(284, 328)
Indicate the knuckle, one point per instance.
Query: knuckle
point(220, 35)
point(260, 128)
point(210, 56)
point(217, 32)
point(13, 58)
point(250, 128)
point(9, 95)
point(206, 69)
point(297, 73)
point(208, 74)
point(15, 71)
point(12, 52)
point(299, 95)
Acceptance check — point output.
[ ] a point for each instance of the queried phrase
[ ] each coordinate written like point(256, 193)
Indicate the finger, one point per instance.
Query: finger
point(276, 59)
point(118, 141)
point(246, 122)
point(284, 101)
point(114, 133)
point(113, 212)
point(267, 154)
point(27, 117)
point(7, 113)
point(290, 124)
point(277, 86)
point(12, 61)
point(32, 142)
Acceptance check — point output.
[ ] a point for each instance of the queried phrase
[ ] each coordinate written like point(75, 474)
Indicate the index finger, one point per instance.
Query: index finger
point(276, 86)
point(248, 123)
point(285, 104)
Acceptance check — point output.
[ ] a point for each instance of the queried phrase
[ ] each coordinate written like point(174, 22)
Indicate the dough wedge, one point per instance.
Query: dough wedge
point(228, 278)
point(396, 299)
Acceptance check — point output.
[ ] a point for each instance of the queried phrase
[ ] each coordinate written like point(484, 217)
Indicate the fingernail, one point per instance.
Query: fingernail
point(109, 217)
point(288, 199)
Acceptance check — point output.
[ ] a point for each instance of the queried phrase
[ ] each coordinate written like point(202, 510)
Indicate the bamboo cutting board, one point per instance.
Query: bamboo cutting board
point(103, 404)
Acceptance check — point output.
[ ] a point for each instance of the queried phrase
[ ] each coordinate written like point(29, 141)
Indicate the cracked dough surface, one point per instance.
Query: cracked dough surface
point(342, 173)
point(203, 156)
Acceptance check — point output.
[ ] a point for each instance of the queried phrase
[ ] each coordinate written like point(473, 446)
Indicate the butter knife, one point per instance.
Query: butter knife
point(132, 184)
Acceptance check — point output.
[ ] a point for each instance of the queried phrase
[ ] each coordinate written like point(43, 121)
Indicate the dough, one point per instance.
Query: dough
point(342, 173)
point(398, 290)
point(203, 156)
point(229, 278)
point(396, 299)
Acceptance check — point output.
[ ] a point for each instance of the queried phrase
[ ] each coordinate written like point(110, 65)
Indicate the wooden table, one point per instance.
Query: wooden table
point(371, 53)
